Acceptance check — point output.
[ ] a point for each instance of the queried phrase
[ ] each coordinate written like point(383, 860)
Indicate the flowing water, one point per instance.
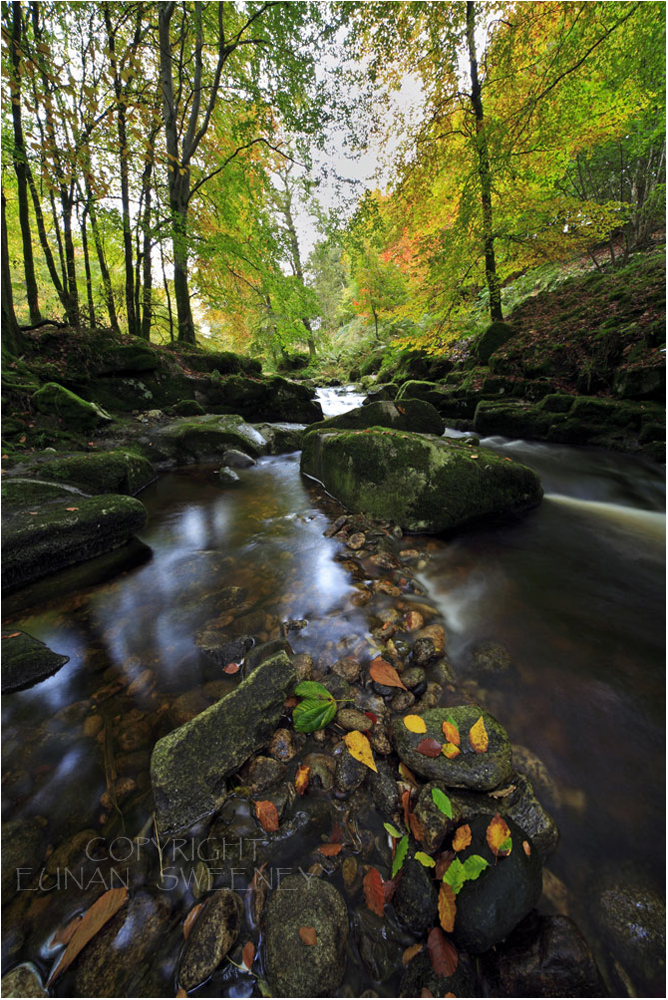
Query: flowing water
point(573, 594)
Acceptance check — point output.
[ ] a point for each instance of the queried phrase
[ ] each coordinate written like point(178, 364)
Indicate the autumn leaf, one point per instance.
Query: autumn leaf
point(248, 954)
point(406, 805)
point(71, 508)
point(400, 853)
point(232, 668)
point(425, 859)
point(329, 850)
point(102, 910)
point(447, 907)
point(191, 918)
point(360, 748)
point(442, 953)
point(450, 751)
point(392, 830)
point(429, 748)
point(384, 673)
point(451, 732)
point(12, 635)
point(267, 814)
point(408, 775)
point(478, 737)
point(374, 894)
point(442, 802)
point(416, 827)
point(308, 935)
point(499, 838)
point(462, 838)
point(302, 778)
point(413, 620)
point(411, 952)
point(415, 724)
point(64, 934)
point(526, 847)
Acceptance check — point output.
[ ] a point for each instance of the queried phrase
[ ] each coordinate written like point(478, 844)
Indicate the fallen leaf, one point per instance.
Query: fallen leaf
point(411, 952)
point(302, 778)
point(180, 992)
point(308, 935)
point(232, 668)
point(360, 748)
point(415, 724)
point(499, 838)
point(425, 859)
point(33, 513)
point(373, 892)
point(462, 838)
point(267, 814)
point(451, 732)
point(447, 907)
point(372, 716)
point(478, 737)
point(408, 775)
point(429, 748)
point(191, 918)
point(71, 508)
point(329, 850)
point(474, 456)
point(406, 806)
point(401, 409)
point(442, 802)
point(102, 910)
point(384, 673)
point(442, 953)
point(64, 934)
point(450, 751)
point(12, 635)
point(526, 847)
point(248, 954)
point(416, 827)
point(443, 862)
point(413, 620)
point(388, 890)
point(400, 852)
point(502, 793)
point(392, 830)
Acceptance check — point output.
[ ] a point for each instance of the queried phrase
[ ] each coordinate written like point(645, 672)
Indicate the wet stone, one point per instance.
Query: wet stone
point(419, 977)
point(265, 651)
point(414, 677)
point(228, 476)
point(347, 667)
point(402, 701)
point(26, 660)
point(350, 773)
point(384, 791)
point(351, 718)
point(303, 664)
point(213, 934)
point(237, 459)
point(23, 981)
point(322, 770)
point(263, 772)
point(436, 825)
point(282, 745)
point(424, 652)
point(416, 897)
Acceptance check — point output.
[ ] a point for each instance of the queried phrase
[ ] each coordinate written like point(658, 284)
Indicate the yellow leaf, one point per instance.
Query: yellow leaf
point(451, 732)
point(414, 724)
point(450, 751)
point(478, 737)
point(499, 838)
point(360, 748)
point(462, 838)
point(447, 907)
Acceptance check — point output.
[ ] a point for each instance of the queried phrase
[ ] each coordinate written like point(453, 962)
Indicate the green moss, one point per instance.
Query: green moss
point(78, 414)
point(121, 471)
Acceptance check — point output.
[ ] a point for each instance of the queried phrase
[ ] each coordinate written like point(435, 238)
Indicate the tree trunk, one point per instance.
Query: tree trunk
point(20, 166)
point(484, 171)
point(104, 270)
point(44, 242)
point(12, 338)
point(89, 276)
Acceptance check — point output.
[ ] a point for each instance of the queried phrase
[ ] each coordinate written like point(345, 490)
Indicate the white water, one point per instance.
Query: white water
point(339, 399)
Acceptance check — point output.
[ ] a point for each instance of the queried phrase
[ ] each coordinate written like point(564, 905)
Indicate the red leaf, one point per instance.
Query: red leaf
point(429, 748)
point(372, 716)
point(406, 805)
point(374, 893)
point(248, 954)
point(388, 890)
point(267, 814)
point(308, 935)
point(232, 668)
point(336, 835)
point(329, 850)
point(442, 953)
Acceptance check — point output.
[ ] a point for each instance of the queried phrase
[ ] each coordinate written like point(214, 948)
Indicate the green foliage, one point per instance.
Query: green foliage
point(316, 710)
point(442, 802)
point(457, 873)
point(400, 853)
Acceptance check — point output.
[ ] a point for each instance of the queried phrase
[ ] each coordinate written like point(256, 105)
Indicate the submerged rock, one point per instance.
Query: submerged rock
point(419, 976)
point(189, 766)
point(23, 981)
point(479, 771)
point(26, 660)
point(215, 931)
point(423, 483)
point(295, 969)
point(416, 897)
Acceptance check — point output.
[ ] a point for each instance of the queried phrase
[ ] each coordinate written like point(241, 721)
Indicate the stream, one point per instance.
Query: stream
point(573, 595)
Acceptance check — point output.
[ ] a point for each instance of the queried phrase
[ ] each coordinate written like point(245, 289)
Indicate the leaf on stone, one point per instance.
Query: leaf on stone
point(232, 668)
point(447, 907)
point(384, 673)
point(442, 953)
point(406, 806)
point(302, 779)
point(415, 724)
point(474, 866)
point(374, 894)
point(313, 689)
point(416, 827)
point(502, 793)
point(400, 853)
point(267, 814)
point(102, 910)
point(526, 847)
point(312, 714)
point(190, 919)
point(425, 859)
point(499, 838)
point(411, 952)
point(443, 862)
point(408, 775)
point(360, 748)
point(442, 802)
point(389, 888)
point(180, 993)
point(308, 935)
point(392, 830)
point(372, 716)
point(248, 954)
point(455, 875)
point(429, 748)
point(478, 737)
point(329, 850)
point(413, 620)
point(12, 635)
point(64, 934)
point(451, 732)
point(462, 838)
point(450, 751)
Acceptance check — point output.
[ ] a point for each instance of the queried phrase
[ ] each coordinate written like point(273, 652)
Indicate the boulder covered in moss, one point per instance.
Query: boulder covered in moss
point(118, 471)
point(122, 359)
point(187, 408)
point(495, 336)
point(200, 439)
point(423, 483)
point(408, 415)
point(76, 413)
point(272, 399)
point(26, 660)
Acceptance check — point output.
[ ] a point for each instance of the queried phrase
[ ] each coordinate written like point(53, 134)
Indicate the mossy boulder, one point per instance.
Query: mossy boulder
point(495, 336)
point(273, 399)
point(26, 660)
point(127, 358)
point(40, 535)
point(187, 408)
point(281, 438)
point(452, 404)
point(481, 772)
point(201, 439)
point(641, 382)
point(423, 483)
point(76, 413)
point(512, 419)
point(410, 415)
point(382, 393)
point(119, 471)
point(190, 765)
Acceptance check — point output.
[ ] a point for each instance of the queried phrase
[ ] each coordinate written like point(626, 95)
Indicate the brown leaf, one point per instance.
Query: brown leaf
point(308, 935)
point(526, 847)
point(413, 620)
point(451, 733)
point(302, 778)
point(443, 862)
point(389, 888)
point(462, 838)
point(447, 907)
point(190, 919)
point(12, 635)
point(408, 775)
point(180, 992)
point(102, 910)
point(406, 805)
point(64, 934)
point(248, 954)
point(442, 953)
point(429, 748)
point(329, 850)
point(383, 673)
point(71, 508)
point(232, 668)
point(478, 737)
point(373, 892)
point(411, 952)
point(498, 837)
point(416, 827)
point(267, 814)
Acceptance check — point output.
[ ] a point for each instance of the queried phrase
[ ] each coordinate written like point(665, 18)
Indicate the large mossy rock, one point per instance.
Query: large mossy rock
point(294, 968)
point(423, 483)
point(201, 439)
point(189, 765)
point(40, 535)
point(214, 933)
point(495, 336)
point(479, 771)
point(26, 660)
point(273, 399)
point(410, 415)
point(129, 358)
point(119, 471)
point(76, 413)
point(452, 402)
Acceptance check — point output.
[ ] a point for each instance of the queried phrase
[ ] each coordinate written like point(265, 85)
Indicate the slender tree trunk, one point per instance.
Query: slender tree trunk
point(89, 276)
point(102, 261)
point(70, 259)
point(12, 338)
point(43, 239)
point(375, 320)
point(20, 166)
point(167, 294)
point(484, 170)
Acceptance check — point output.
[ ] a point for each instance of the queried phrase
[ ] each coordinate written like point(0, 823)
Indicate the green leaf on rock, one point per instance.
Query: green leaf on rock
point(455, 876)
point(392, 830)
point(312, 689)
point(310, 715)
point(474, 866)
point(442, 802)
point(400, 855)
point(425, 859)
